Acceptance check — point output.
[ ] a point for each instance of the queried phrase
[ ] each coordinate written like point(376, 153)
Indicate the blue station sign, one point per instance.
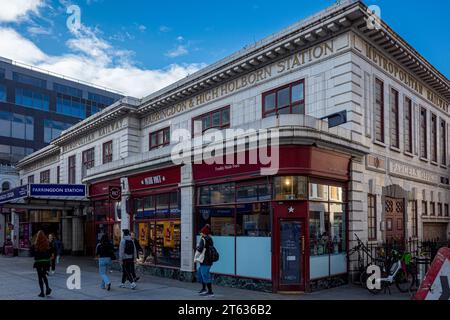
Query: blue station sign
point(57, 190)
point(14, 194)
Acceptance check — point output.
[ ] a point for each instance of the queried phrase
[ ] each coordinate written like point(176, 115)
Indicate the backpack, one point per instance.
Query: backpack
point(129, 247)
point(213, 254)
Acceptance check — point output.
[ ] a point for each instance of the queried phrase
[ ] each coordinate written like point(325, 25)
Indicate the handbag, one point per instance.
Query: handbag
point(200, 256)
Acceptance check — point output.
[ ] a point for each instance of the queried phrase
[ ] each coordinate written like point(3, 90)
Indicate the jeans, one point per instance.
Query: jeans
point(103, 265)
point(42, 278)
point(203, 274)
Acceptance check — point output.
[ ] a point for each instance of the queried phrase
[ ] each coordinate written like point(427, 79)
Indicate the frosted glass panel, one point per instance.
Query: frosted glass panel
point(225, 247)
point(338, 264)
point(254, 257)
point(318, 267)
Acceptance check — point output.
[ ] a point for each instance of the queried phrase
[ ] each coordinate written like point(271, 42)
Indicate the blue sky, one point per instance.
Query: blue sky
point(153, 43)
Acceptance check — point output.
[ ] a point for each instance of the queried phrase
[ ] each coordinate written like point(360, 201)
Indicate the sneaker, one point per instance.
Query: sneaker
point(136, 279)
point(108, 287)
point(209, 294)
point(41, 295)
point(48, 292)
point(202, 292)
point(122, 285)
point(133, 286)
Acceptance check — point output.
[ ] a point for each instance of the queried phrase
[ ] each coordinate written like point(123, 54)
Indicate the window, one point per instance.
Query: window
point(2, 93)
point(58, 175)
point(69, 106)
point(45, 176)
point(408, 127)
point(446, 212)
point(17, 126)
point(394, 117)
point(289, 99)
point(160, 138)
point(379, 110)
point(218, 119)
point(434, 138)
point(53, 129)
point(72, 170)
point(6, 186)
point(372, 217)
point(414, 218)
point(423, 133)
point(32, 81)
point(67, 90)
point(32, 99)
point(424, 208)
point(107, 152)
point(30, 179)
point(99, 102)
point(440, 212)
point(443, 140)
point(432, 209)
point(291, 188)
point(88, 161)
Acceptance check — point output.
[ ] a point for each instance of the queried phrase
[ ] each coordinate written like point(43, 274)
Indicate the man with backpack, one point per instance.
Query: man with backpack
point(127, 255)
point(206, 255)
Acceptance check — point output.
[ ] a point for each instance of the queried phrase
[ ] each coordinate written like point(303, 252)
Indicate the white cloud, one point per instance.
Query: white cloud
point(142, 28)
point(39, 30)
point(164, 29)
point(177, 52)
point(17, 10)
point(94, 60)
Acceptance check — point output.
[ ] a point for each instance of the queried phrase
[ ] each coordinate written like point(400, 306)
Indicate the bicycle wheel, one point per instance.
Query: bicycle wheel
point(404, 281)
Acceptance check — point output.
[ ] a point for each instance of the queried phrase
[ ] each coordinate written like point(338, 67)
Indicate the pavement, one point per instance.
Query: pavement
point(18, 281)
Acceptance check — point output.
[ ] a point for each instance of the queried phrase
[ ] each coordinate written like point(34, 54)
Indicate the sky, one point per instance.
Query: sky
point(140, 46)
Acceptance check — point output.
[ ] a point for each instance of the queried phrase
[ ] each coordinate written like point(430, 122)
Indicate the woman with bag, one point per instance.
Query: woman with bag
point(42, 255)
point(203, 256)
point(105, 253)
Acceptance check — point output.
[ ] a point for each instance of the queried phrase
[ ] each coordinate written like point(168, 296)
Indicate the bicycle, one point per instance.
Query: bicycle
point(360, 248)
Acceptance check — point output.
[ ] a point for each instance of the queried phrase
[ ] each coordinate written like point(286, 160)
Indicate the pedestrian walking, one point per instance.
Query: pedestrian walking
point(52, 244)
point(203, 255)
point(127, 255)
point(105, 253)
point(59, 249)
point(138, 251)
point(42, 255)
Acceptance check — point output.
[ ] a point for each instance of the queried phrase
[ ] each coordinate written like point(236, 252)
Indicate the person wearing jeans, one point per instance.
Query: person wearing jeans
point(127, 254)
point(105, 253)
point(203, 272)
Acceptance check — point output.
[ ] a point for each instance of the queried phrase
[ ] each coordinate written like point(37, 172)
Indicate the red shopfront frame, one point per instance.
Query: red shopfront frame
point(318, 164)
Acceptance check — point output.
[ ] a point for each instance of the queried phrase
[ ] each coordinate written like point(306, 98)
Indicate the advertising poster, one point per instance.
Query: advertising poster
point(143, 234)
point(168, 235)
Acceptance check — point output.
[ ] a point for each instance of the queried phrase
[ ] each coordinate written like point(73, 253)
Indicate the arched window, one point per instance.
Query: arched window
point(6, 186)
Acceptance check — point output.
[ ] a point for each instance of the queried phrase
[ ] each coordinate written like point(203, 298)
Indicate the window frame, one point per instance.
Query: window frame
point(408, 124)
point(423, 133)
point(71, 172)
point(443, 141)
point(394, 130)
point(424, 206)
point(30, 179)
point(156, 133)
point(44, 176)
point(275, 110)
point(432, 209)
point(221, 126)
point(434, 137)
point(107, 157)
point(381, 115)
point(87, 163)
point(58, 174)
point(414, 219)
point(373, 217)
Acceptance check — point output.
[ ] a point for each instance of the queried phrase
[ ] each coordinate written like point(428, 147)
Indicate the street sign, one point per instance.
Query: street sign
point(57, 190)
point(436, 285)
point(14, 194)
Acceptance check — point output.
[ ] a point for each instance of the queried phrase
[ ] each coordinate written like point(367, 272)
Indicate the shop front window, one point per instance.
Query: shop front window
point(253, 219)
point(291, 188)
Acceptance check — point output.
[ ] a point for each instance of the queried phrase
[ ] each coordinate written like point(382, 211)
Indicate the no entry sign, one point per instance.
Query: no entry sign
point(436, 285)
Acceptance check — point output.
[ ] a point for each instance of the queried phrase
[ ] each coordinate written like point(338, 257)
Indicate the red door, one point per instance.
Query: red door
point(395, 220)
point(290, 258)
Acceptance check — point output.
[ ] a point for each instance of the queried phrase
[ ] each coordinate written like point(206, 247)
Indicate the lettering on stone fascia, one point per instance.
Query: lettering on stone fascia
point(412, 172)
point(41, 164)
point(288, 64)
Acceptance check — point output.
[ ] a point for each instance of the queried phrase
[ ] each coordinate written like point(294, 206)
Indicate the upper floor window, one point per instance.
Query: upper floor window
point(372, 217)
point(99, 99)
point(53, 129)
point(88, 160)
point(73, 107)
point(107, 152)
point(32, 81)
point(218, 119)
point(289, 99)
point(67, 90)
point(2, 93)
point(408, 125)
point(45, 176)
point(446, 212)
point(424, 208)
point(6, 186)
point(423, 133)
point(434, 138)
point(394, 117)
point(72, 170)
point(30, 179)
point(160, 138)
point(440, 213)
point(443, 139)
point(32, 99)
point(379, 110)
point(432, 209)
point(58, 174)
point(17, 126)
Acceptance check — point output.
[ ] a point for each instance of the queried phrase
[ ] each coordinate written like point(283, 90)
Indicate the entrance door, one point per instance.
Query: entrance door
point(291, 255)
point(395, 220)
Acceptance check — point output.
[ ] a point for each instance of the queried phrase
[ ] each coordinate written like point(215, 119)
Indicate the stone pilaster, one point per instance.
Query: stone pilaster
point(77, 236)
point(66, 235)
point(187, 219)
point(125, 220)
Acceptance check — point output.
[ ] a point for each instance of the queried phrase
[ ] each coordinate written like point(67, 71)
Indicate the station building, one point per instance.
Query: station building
point(382, 173)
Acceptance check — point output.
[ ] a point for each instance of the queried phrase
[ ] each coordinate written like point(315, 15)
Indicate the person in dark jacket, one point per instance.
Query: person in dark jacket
point(42, 255)
point(138, 251)
point(127, 255)
point(52, 239)
point(105, 253)
point(203, 272)
point(59, 249)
